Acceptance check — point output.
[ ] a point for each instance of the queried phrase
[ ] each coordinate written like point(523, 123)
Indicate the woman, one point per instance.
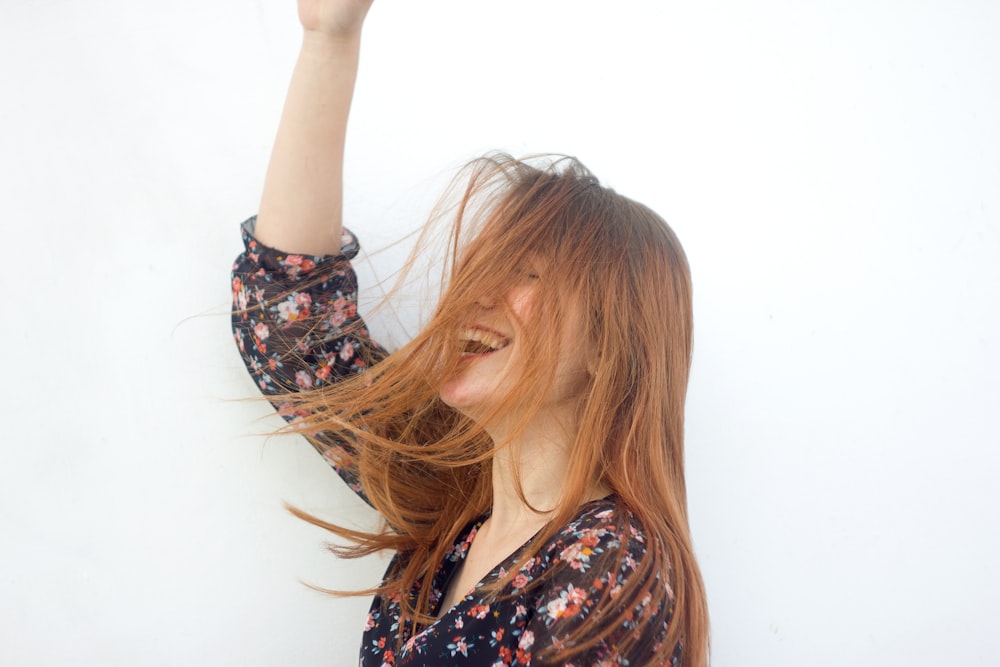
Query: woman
point(526, 448)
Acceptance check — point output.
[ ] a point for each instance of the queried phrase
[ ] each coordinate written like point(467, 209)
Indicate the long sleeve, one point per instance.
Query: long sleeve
point(296, 325)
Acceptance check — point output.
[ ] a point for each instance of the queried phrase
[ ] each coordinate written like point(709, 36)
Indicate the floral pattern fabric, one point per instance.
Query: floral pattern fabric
point(296, 325)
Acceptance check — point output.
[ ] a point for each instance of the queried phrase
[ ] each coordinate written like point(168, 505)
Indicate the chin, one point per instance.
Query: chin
point(468, 403)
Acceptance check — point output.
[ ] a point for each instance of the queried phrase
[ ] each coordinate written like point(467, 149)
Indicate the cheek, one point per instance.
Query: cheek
point(522, 301)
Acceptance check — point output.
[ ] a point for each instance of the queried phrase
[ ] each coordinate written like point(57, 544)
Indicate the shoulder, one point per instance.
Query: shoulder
point(592, 557)
point(601, 529)
point(596, 582)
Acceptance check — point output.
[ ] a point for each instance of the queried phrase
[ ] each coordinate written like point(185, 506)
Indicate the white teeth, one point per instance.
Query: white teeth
point(490, 340)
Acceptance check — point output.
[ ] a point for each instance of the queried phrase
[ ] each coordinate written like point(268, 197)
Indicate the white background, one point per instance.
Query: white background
point(833, 170)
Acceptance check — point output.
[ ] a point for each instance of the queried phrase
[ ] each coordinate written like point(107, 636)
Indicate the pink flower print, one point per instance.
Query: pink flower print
point(459, 624)
point(347, 350)
point(261, 331)
point(303, 379)
point(521, 580)
point(293, 260)
point(571, 601)
point(239, 294)
point(369, 622)
point(303, 300)
point(338, 315)
point(479, 611)
point(337, 318)
point(527, 640)
point(323, 373)
point(572, 552)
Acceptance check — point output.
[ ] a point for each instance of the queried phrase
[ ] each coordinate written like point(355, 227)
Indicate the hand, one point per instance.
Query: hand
point(334, 18)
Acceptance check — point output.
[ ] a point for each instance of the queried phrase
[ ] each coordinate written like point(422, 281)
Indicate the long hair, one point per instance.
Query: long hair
point(427, 468)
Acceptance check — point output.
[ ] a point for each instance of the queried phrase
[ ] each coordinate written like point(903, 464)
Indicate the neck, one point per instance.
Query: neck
point(540, 457)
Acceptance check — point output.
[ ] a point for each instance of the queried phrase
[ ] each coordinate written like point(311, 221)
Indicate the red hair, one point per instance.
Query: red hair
point(426, 467)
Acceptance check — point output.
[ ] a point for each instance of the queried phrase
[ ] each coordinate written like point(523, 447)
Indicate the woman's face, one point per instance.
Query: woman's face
point(496, 352)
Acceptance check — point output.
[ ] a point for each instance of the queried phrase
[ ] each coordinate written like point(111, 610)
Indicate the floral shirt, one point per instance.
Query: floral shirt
point(296, 324)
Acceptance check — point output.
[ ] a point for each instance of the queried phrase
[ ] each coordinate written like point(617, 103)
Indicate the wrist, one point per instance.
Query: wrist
point(321, 47)
point(321, 40)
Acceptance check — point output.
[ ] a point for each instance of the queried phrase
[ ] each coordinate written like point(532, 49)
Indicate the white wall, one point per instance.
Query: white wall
point(832, 168)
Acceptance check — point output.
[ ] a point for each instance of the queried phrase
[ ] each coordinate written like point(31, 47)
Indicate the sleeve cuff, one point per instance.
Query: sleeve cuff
point(294, 265)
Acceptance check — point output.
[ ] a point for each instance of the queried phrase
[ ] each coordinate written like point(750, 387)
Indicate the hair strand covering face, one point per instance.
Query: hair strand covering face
point(426, 467)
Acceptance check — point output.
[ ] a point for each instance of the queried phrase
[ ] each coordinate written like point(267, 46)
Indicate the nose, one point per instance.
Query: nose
point(487, 302)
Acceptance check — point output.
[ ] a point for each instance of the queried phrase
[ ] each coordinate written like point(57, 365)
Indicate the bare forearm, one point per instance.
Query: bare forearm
point(301, 206)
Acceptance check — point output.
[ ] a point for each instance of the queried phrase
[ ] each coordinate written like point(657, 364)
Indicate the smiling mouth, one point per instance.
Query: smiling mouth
point(479, 342)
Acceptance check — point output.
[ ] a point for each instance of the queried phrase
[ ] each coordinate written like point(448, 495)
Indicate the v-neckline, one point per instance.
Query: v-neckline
point(447, 571)
point(451, 567)
point(448, 568)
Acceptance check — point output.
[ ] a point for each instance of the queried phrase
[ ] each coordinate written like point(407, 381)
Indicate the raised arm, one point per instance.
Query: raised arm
point(301, 206)
point(295, 316)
